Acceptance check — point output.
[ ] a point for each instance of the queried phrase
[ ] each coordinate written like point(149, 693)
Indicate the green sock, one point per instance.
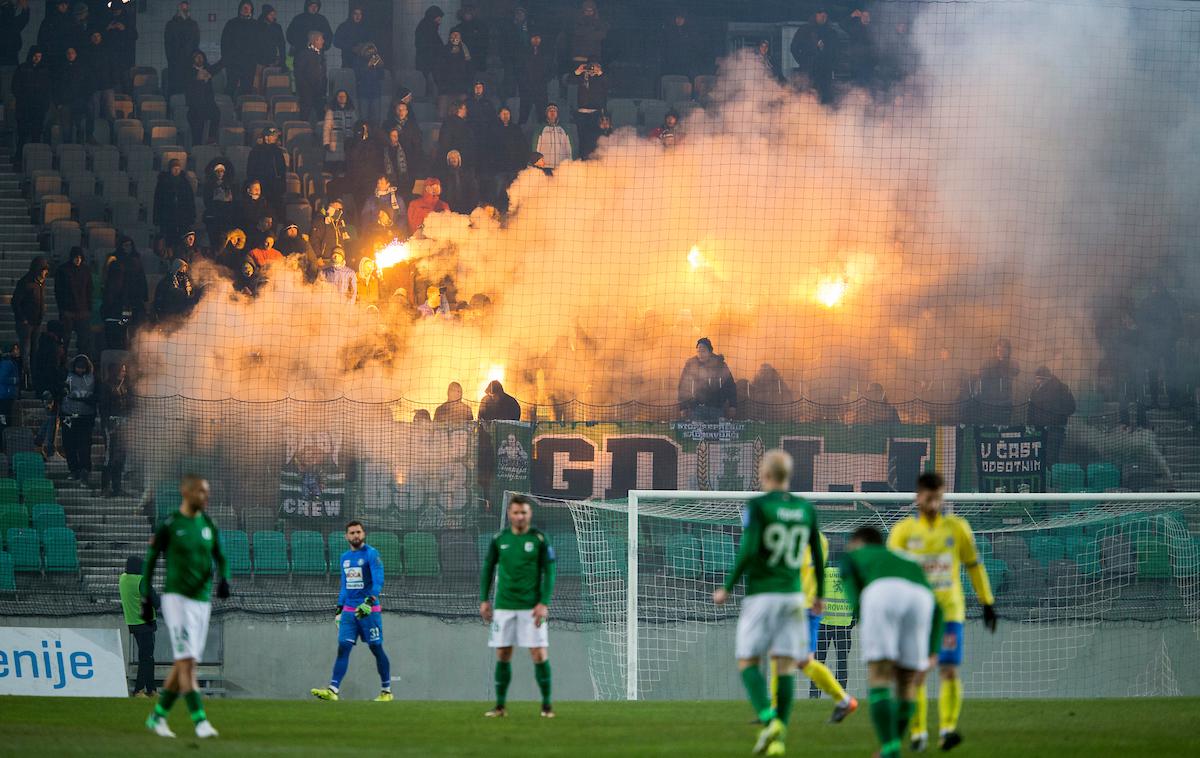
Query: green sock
point(503, 678)
point(760, 696)
point(904, 713)
point(165, 701)
point(883, 716)
point(785, 692)
point(195, 706)
point(541, 672)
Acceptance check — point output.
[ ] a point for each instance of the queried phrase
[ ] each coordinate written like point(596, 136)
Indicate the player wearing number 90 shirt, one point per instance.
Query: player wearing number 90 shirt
point(778, 528)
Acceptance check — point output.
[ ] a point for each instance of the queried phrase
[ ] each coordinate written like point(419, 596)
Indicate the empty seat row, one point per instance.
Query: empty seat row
point(1070, 477)
point(54, 549)
point(44, 516)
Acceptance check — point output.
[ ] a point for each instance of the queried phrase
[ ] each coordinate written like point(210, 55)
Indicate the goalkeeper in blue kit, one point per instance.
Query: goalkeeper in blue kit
point(358, 613)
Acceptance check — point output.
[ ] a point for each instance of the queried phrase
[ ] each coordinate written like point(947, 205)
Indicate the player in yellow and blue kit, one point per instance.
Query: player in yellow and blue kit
point(359, 614)
point(942, 544)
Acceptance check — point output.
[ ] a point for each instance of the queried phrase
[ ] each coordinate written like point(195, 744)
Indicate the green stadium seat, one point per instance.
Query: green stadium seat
point(62, 554)
point(236, 547)
point(420, 555)
point(1102, 477)
point(1067, 477)
point(28, 466)
point(388, 546)
point(1153, 557)
point(9, 493)
point(1088, 559)
point(13, 516)
point(566, 553)
point(23, 546)
point(37, 491)
point(983, 545)
point(270, 553)
point(8, 581)
point(308, 553)
point(1045, 548)
point(48, 516)
point(997, 571)
point(719, 551)
point(684, 557)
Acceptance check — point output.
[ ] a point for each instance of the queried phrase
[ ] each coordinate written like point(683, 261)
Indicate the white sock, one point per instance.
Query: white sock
point(333, 689)
point(845, 701)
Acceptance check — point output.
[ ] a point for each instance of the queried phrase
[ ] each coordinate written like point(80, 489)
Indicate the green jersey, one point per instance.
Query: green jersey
point(524, 569)
point(777, 528)
point(871, 562)
point(190, 547)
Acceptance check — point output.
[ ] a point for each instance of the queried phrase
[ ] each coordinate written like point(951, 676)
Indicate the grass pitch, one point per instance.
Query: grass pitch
point(1025, 728)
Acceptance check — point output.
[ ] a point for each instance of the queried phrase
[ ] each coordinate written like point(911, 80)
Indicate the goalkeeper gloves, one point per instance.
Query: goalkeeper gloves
point(337, 618)
point(990, 618)
point(223, 589)
point(364, 610)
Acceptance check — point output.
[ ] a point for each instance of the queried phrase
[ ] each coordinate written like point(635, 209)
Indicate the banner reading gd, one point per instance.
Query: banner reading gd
point(62, 662)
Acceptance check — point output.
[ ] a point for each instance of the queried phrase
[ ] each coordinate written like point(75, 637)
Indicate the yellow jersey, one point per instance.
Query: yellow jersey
point(808, 577)
point(942, 547)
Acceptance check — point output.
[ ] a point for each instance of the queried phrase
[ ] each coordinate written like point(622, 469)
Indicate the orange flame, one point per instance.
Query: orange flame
point(391, 254)
point(830, 291)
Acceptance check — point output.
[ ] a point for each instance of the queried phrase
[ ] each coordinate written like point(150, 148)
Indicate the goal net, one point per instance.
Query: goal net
point(1097, 593)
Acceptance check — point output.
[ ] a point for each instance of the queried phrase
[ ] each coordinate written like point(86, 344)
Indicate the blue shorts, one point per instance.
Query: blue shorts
point(814, 628)
point(369, 628)
point(951, 651)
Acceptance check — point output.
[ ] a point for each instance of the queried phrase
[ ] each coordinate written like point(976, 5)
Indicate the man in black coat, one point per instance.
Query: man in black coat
point(57, 31)
point(536, 71)
point(31, 88)
point(120, 34)
point(1050, 405)
point(29, 307)
point(126, 290)
point(14, 17)
point(474, 34)
point(241, 43)
point(73, 294)
point(102, 80)
point(181, 36)
point(274, 51)
point(311, 79)
point(174, 203)
point(310, 20)
point(267, 164)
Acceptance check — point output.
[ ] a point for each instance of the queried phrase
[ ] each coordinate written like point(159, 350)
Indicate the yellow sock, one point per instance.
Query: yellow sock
point(949, 704)
point(918, 725)
point(821, 676)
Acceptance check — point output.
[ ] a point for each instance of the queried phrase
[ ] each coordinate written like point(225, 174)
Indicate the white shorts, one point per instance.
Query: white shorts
point(773, 623)
point(516, 628)
point(895, 624)
point(187, 623)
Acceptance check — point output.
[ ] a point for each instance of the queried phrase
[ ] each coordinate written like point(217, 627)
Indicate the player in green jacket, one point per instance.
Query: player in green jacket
point(522, 560)
point(898, 632)
point(188, 542)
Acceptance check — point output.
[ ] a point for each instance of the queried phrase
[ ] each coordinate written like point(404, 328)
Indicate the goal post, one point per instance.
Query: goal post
point(1079, 576)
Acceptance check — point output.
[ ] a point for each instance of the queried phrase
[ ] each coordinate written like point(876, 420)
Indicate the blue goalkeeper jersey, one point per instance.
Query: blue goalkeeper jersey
point(362, 576)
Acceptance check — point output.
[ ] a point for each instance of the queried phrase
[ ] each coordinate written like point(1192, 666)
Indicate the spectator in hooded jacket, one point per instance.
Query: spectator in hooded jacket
point(57, 32)
point(219, 193)
point(341, 276)
point(123, 303)
point(481, 118)
point(498, 405)
point(274, 45)
point(680, 47)
point(181, 35)
point(28, 303)
point(31, 88)
point(456, 134)
point(534, 74)
point(72, 98)
point(430, 201)
point(116, 402)
point(305, 24)
point(49, 373)
point(203, 115)
point(268, 165)
point(587, 34)
point(292, 242)
point(815, 48)
point(511, 154)
point(1051, 404)
point(552, 140)
point(592, 100)
point(121, 34)
point(474, 35)
point(102, 80)
point(427, 41)
point(311, 77)
point(460, 188)
point(454, 410)
point(372, 99)
point(241, 46)
point(370, 282)
point(73, 295)
point(707, 391)
point(78, 408)
point(364, 156)
point(340, 119)
point(14, 17)
point(174, 203)
point(512, 35)
point(396, 165)
point(351, 34)
point(454, 73)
